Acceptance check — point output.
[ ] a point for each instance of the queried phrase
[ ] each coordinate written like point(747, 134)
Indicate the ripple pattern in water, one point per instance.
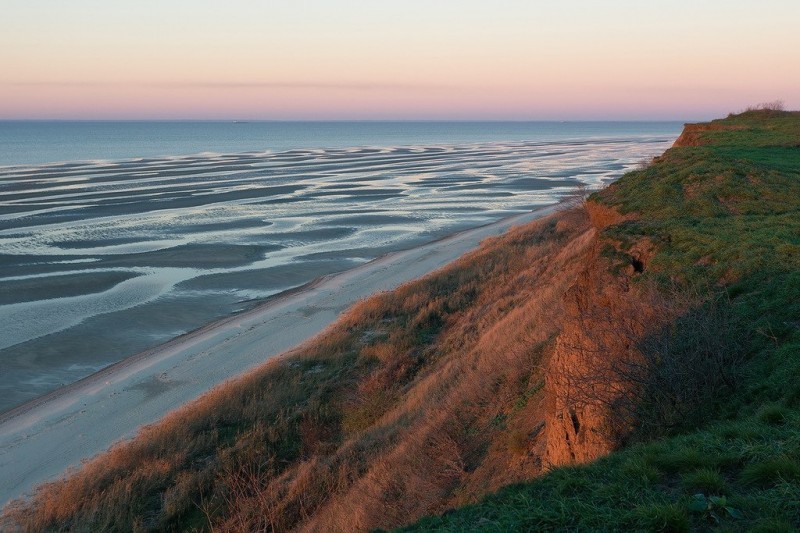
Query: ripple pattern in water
point(101, 260)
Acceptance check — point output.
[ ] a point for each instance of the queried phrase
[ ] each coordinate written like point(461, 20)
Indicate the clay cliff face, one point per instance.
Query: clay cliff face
point(605, 315)
point(692, 134)
point(576, 427)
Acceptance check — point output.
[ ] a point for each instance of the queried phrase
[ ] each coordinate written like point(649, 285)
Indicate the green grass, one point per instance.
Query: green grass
point(725, 216)
point(704, 480)
point(650, 486)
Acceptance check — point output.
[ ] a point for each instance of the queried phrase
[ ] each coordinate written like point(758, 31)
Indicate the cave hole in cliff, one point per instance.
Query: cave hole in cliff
point(575, 422)
point(637, 265)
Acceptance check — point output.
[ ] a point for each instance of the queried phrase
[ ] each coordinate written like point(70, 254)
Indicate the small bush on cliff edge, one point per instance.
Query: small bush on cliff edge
point(684, 369)
point(775, 105)
point(671, 378)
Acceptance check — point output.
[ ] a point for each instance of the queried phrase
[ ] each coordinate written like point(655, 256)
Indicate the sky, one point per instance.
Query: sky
point(392, 59)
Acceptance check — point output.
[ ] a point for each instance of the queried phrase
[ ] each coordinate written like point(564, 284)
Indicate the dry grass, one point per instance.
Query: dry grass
point(775, 105)
point(416, 400)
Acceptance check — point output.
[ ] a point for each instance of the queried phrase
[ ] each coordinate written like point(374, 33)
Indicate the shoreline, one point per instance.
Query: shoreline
point(79, 420)
point(254, 306)
point(21, 409)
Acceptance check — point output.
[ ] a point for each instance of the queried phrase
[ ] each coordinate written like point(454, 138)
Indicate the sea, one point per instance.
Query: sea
point(116, 237)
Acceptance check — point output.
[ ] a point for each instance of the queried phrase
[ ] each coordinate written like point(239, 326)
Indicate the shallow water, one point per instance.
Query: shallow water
point(100, 260)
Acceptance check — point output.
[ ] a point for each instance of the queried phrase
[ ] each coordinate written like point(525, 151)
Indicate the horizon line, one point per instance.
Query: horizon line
point(353, 120)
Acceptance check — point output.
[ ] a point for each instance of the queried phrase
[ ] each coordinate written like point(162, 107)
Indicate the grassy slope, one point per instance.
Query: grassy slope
point(724, 213)
point(418, 399)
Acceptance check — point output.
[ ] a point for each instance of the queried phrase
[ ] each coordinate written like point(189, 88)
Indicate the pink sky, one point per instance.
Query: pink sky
point(505, 59)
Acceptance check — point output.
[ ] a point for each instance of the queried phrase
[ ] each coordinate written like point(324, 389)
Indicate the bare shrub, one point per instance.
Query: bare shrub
point(687, 365)
point(575, 198)
point(659, 368)
point(775, 105)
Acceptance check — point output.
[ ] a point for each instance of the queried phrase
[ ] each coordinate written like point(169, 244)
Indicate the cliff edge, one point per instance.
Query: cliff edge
point(674, 373)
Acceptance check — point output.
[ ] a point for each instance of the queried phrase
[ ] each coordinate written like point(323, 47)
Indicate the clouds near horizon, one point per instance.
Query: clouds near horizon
point(313, 59)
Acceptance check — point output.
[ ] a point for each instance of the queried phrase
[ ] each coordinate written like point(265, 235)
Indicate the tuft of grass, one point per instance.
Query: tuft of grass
point(639, 470)
point(774, 415)
point(742, 429)
point(773, 525)
point(705, 480)
point(679, 460)
point(667, 518)
point(772, 471)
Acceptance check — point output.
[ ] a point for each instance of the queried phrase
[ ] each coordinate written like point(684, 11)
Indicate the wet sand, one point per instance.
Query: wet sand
point(41, 439)
point(30, 289)
point(100, 260)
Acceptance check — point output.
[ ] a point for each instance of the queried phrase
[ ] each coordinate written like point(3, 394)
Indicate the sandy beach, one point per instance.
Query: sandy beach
point(43, 438)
